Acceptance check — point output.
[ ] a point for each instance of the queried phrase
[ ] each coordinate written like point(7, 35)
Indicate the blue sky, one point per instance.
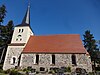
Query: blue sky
point(57, 16)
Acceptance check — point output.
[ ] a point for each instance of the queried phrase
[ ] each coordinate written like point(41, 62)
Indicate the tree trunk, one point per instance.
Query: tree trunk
point(2, 55)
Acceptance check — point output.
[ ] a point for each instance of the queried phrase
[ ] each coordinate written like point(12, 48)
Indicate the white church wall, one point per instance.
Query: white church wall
point(12, 51)
point(21, 34)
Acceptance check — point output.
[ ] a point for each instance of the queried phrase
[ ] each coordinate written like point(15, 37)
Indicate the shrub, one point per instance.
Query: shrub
point(29, 68)
point(15, 72)
point(1, 71)
point(91, 73)
point(51, 72)
point(25, 69)
point(1, 66)
point(37, 72)
point(68, 69)
point(33, 70)
point(55, 69)
point(7, 71)
point(64, 69)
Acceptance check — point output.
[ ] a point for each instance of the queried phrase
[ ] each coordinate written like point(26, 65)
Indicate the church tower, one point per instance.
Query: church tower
point(23, 31)
point(21, 34)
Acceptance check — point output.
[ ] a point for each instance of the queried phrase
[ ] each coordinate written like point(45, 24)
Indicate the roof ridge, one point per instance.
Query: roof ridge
point(56, 35)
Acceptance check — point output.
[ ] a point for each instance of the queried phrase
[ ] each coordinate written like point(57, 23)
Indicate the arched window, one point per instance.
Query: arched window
point(19, 36)
point(73, 59)
point(13, 60)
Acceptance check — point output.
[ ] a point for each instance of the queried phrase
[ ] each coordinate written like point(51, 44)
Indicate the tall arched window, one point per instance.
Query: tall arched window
point(73, 59)
point(13, 60)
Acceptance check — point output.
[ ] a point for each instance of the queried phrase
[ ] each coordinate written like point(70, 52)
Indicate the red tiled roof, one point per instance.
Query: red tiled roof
point(65, 43)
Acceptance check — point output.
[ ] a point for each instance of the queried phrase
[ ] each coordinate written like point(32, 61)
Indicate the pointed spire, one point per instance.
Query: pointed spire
point(26, 19)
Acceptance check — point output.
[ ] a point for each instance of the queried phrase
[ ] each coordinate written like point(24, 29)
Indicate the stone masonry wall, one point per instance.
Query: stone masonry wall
point(84, 61)
point(61, 60)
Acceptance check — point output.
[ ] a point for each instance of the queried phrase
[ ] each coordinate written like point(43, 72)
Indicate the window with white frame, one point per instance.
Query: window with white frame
point(13, 60)
point(73, 59)
point(52, 59)
point(22, 30)
point(19, 30)
point(36, 59)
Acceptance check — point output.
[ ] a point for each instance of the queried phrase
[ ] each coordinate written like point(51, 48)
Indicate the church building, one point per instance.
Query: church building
point(61, 50)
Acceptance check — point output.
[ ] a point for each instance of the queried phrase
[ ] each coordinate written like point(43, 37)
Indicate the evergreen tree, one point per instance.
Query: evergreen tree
point(90, 45)
point(2, 13)
point(5, 37)
point(6, 32)
point(9, 31)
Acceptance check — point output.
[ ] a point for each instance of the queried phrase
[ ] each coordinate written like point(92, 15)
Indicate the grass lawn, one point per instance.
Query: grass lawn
point(3, 74)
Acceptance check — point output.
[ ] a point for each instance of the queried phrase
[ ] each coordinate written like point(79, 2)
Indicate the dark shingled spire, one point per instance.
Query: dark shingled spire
point(26, 19)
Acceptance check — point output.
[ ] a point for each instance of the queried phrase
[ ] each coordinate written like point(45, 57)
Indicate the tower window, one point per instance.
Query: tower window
point(37, 59)
point(16, 39)
point(73, 59)
point(20, 39)
point(19, 30)
point(53, 59)
point(22, 30)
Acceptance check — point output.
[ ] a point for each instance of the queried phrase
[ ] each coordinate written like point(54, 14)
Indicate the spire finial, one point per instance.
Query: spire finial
point(29, 3)
point(26, 19)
